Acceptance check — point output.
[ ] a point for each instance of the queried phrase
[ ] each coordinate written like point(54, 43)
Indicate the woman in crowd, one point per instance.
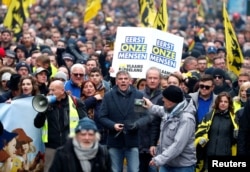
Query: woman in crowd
point(240, 100)
point(217, 133)
point(93, 101)
point(90, 98)
point(140, 83)
point(28, 87)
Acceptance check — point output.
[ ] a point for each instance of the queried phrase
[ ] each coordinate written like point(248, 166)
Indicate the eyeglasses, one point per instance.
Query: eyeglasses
point(217, 76)
point(207, 87)
point(78, 74)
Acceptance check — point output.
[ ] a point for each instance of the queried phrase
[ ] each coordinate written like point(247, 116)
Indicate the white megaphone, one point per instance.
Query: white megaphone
point(40, 102)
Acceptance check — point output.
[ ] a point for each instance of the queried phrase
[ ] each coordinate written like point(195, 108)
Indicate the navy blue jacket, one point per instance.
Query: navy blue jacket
point(118, 107)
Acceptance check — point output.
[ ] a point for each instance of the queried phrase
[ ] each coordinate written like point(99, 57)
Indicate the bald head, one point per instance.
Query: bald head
point(58, 83)
point(57, 88)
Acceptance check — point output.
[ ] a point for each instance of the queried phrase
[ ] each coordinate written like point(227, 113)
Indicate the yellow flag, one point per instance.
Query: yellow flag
point(147, 12)
point(16, 15)
point(234, 54)
point(6, 2)
point(161, 19)
point(93, 6)
point(29, 2)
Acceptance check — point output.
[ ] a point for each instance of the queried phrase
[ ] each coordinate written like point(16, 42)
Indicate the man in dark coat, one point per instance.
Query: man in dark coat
point(58, 120)
point(243, 143)
point(82, 152)
point(122, 114)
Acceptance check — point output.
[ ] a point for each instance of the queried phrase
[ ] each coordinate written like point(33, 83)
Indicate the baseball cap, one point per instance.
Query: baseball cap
point(48, 51)
point(211, 50)
point(6, 76)
point(10, 53)
point(40, 69)
point(68, 56)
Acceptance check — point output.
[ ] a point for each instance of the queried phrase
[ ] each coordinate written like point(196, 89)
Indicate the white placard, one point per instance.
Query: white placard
point(137, 49)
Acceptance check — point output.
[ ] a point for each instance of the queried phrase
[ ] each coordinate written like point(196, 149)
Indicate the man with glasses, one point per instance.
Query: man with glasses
point(73, 85)
point(204, 98)
point(220, 81)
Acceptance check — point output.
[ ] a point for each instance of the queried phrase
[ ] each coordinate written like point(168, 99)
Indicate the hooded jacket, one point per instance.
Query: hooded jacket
point(176, 146)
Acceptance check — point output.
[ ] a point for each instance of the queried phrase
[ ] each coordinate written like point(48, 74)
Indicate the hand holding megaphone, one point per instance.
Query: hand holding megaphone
point(40, 102)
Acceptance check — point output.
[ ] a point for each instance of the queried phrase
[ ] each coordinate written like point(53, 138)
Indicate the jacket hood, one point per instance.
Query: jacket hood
point(187, 106)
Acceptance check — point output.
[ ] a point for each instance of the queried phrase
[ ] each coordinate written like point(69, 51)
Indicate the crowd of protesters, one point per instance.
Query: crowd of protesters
point(56, 53)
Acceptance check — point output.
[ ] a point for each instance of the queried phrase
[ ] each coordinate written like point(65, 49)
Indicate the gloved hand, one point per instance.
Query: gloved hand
point(131, 126)
point(236, 131)
point(202, 141)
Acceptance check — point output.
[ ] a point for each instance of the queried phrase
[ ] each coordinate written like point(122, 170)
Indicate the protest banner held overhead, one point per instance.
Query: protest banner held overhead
point(137, 49)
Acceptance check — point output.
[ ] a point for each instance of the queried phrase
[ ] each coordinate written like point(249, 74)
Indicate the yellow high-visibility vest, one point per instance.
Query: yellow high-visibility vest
point(73, 121)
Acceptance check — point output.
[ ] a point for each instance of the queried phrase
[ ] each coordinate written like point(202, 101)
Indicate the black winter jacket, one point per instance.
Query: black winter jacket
point(65, 160)
point(243, 145)
point(57, 116)
point(153, 127)
point(120, 108)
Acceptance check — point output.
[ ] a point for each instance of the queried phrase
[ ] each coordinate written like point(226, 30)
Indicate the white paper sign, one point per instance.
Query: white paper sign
point(137, 49)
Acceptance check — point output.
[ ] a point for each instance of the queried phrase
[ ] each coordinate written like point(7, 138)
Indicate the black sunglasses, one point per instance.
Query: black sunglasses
point(207, 87)
point(217, 76)
point(78, 74)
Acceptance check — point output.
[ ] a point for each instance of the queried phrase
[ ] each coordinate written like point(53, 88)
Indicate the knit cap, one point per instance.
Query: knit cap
point(173, 94)
point(85, 124)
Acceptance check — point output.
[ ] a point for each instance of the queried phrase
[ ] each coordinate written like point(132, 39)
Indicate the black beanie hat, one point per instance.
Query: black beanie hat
point(13, 82)
point(173, 94)
point(218, 71)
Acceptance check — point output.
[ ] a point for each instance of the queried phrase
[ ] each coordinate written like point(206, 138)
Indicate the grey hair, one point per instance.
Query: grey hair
point(77, 65)
point(155, 69)
point(124, 72)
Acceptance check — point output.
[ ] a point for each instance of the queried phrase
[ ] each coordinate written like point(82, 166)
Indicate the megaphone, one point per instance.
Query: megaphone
point(40, 102)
